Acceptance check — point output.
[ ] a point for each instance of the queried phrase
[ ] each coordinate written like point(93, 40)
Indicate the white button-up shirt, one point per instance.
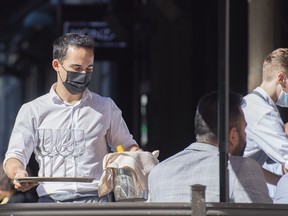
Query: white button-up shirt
point(98, 116)
point(265, 129)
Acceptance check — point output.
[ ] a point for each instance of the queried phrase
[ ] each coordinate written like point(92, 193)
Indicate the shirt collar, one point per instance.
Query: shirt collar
point(268, 99)
point(202, 147)
point(53, 94)
point(55, 97)
point(86, 94)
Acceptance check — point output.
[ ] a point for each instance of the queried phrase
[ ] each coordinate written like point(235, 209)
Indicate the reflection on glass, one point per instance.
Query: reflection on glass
point(79, 147)
point(44, 145)
point(65, 145)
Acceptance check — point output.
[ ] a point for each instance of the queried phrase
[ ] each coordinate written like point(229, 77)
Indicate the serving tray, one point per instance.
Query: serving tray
point(53, 179)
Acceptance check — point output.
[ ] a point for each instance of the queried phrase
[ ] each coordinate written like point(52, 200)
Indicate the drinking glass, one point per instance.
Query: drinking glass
point(44, 145)
point(79, 147)
point(65, 145)
point(53, 152)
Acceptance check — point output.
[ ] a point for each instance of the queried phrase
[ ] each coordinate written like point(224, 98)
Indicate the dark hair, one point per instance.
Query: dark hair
point(206, 118)
point(61, 44)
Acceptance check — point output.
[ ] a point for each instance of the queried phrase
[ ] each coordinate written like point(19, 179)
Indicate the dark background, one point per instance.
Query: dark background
point(171, 56)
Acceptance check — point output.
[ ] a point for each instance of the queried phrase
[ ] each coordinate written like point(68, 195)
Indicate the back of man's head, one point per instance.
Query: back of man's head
point(275, 62)
point(206, 118)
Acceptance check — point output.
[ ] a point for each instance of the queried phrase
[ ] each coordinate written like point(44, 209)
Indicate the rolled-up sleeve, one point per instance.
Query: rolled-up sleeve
point(21, 142)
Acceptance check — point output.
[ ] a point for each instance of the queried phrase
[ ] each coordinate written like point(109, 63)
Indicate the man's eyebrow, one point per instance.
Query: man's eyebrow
point(77, 65)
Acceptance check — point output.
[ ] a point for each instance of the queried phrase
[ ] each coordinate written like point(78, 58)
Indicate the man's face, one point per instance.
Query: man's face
point(77, 59)
point(240, 141)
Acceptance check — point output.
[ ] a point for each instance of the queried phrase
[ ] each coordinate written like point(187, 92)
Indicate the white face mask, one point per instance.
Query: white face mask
point(282, 99)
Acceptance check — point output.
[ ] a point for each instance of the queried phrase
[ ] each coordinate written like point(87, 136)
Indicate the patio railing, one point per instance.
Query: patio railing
point(197, 207)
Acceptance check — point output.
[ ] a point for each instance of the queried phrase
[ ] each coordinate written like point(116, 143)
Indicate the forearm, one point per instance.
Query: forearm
point(272, 142)
point(15, 169)
point(270, 177)
point(134, 147)
point(13, 166)
point(251, 185)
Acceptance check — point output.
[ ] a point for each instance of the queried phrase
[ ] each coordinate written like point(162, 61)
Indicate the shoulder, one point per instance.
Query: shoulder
point(40, 101)
point(102, 103)
point(244, 163)
point(253, 100)
point(173, 163)
point(44, 98)
point(165, 163)
point(242, 160)
point(100, 99)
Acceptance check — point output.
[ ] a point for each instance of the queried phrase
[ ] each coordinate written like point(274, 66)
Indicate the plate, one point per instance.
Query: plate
point(53, 179)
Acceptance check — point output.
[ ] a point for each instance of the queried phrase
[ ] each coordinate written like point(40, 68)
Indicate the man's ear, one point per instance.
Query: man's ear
point(281, 77)
point(233, 139)
point(55, 64)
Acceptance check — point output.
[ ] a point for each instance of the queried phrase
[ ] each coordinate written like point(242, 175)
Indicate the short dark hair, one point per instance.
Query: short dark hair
point(61, 44)
point(206, 118)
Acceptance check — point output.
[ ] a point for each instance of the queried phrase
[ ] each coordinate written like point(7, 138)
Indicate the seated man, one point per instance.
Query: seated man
point(170, 180)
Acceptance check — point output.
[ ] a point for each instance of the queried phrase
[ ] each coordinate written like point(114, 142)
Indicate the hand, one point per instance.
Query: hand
point(284, 170)
point(135, 148)
point(22, 186)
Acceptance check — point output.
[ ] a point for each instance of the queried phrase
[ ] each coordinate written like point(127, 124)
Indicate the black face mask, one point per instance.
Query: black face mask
point(77, 82)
